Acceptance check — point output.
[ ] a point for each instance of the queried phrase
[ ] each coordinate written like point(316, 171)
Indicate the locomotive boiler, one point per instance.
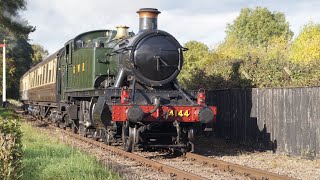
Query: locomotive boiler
point(118, 86)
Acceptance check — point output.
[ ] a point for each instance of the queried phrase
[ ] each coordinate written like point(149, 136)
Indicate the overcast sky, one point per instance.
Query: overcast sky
point(57, 21)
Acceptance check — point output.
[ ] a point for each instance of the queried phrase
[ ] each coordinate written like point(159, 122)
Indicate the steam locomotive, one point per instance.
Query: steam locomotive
point(117, 86)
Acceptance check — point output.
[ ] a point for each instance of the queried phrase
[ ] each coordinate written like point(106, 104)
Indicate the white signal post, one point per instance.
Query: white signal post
point(4, 98)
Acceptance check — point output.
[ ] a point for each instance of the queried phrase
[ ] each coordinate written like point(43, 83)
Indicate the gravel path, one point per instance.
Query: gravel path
point(296, 167)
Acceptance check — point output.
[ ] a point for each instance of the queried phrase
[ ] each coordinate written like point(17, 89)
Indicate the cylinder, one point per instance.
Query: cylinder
point(148, 19)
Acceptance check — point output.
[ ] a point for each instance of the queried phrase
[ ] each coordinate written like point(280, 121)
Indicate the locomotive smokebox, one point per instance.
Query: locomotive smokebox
point(148, 19)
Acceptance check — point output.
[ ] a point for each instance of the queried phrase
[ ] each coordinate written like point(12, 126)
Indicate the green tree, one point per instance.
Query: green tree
point(258, 26)
point(195, 60)
point(255, 34)
point(306, 47)
point(39, 53)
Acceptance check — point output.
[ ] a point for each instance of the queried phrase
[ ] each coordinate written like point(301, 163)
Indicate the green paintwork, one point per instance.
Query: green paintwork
point(81, 66)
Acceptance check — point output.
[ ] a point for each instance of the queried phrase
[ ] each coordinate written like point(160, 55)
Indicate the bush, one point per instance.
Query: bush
point(10, 149)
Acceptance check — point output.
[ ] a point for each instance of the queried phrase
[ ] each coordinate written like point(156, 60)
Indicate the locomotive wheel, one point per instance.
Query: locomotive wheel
point(190, 143)
point(128, 137)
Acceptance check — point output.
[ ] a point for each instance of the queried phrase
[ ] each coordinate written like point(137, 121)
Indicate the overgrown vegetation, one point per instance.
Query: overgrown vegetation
point(258, 51)
point(10, 146)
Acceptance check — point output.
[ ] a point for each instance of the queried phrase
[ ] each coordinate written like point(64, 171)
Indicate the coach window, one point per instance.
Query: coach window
point(34, 80)
point(43, 74)
point(50, 76)
point(40, 81)
point(46, 73)
point(38, 77)
point(53, 67)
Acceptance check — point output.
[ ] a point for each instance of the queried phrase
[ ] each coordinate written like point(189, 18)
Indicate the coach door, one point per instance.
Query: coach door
point(65, 63)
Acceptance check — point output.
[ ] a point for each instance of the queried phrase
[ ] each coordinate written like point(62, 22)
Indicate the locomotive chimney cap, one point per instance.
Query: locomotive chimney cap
point(148, 12)
point(148, 19)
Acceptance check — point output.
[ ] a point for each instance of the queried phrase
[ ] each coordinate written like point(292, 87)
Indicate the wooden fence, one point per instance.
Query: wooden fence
point(284, 119)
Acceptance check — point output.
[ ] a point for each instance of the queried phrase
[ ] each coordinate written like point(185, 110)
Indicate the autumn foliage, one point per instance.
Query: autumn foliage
point(306, 47)
point(258, 51)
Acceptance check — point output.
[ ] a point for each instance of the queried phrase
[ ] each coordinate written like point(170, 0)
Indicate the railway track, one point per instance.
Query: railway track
point(174, 172)
point(177, 173)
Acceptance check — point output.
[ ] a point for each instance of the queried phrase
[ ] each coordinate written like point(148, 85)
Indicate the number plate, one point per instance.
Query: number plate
point(180, 113)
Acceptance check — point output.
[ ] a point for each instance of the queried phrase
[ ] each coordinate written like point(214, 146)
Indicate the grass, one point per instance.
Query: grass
point(45, 157)
point(8, 114)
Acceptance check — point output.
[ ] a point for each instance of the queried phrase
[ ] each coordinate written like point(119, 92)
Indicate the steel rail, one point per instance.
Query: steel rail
point(238, 169)
point(173, 172)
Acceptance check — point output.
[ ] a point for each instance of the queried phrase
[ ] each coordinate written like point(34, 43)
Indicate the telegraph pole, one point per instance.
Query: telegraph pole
point(4, 88)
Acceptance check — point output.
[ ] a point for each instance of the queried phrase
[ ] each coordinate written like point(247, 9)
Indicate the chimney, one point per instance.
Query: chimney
point(122, 31)
point(148, 18)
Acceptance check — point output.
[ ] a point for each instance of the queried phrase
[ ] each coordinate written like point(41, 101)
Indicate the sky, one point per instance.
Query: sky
point(57, 21)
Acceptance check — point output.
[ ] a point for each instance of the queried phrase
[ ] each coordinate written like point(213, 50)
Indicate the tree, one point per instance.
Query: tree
point(257, 26)
point(10, 20)
point(256, 34)
point(306, 47)
point(195, 60)
point(39, 53)
point(19, 52)
point(18, 61)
